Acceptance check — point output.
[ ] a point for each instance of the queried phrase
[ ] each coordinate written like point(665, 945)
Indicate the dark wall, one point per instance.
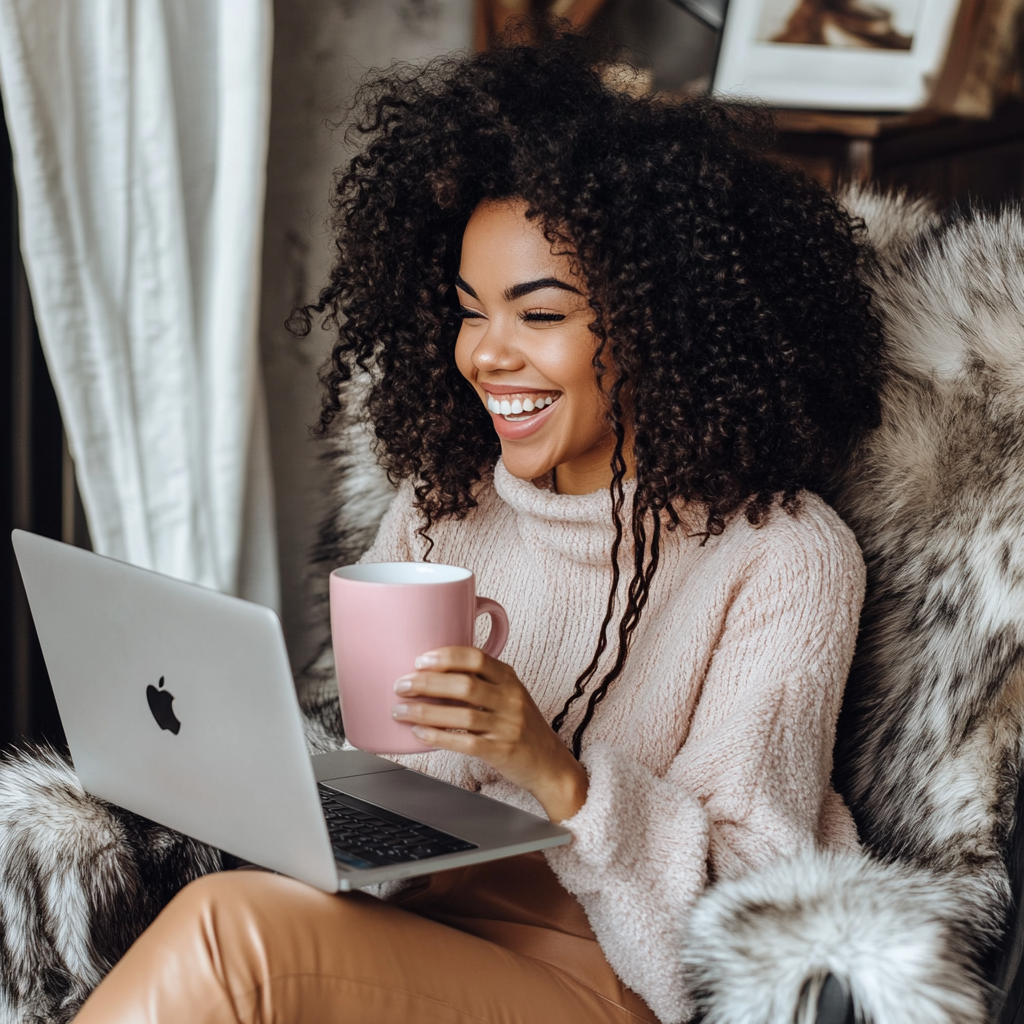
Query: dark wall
point(32, 480)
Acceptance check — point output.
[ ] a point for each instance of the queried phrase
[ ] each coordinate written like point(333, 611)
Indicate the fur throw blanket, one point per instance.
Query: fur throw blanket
point(79, 881)
point(930, 739)
point(929, 746)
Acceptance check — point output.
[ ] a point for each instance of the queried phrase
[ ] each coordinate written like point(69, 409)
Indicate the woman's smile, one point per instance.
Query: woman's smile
point(514, 404)
point(527, 348)
point(522, 418)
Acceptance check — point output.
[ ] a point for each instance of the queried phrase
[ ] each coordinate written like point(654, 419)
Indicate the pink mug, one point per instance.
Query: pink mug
point(384, 615)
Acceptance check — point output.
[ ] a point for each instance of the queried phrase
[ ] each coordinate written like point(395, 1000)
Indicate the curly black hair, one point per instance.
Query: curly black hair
point(725, 291)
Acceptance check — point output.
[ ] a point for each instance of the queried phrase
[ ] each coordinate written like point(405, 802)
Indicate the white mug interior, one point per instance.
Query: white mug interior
point(403, 573)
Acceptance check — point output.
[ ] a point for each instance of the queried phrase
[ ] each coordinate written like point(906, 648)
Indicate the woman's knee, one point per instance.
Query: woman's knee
point(219, 894)
point(228, 902)
point(212, 920)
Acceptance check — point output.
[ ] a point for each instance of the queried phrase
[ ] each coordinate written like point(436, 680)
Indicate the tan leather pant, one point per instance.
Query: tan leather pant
point(500, 943)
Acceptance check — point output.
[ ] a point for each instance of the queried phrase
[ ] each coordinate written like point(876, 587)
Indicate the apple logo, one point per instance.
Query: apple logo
point(160, 704)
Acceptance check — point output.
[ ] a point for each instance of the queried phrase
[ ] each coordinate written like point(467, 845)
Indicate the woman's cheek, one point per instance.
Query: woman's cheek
point(464, 355)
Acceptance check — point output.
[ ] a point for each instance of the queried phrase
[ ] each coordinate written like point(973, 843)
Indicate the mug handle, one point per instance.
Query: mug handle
point(499, 625)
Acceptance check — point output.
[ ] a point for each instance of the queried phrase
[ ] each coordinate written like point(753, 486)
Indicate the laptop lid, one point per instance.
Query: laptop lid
point(178, 703)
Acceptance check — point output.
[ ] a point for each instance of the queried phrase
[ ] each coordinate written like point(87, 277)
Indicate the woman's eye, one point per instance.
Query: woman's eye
point(542, 318)
point(470, 314)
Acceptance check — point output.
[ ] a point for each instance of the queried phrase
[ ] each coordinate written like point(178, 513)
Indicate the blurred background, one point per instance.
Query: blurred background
point(965, 143)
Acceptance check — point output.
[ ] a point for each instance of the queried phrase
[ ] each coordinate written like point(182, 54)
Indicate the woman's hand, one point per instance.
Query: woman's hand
point(498, 722)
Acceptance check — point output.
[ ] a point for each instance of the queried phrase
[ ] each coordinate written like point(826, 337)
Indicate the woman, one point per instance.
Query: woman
point(612, 355)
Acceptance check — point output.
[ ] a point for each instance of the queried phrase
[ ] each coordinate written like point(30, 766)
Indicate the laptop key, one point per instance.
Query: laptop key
point(346, 857)
point(432, 834)
point(426, 851)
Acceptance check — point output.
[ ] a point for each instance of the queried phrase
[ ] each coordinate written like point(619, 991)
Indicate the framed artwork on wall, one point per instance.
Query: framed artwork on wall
point(879, 55)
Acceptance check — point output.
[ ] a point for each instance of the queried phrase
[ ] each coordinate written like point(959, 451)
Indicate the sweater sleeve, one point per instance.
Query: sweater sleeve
point(751, 782)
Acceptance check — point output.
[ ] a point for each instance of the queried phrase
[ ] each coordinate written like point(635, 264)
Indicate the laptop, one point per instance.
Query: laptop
point(178, 704)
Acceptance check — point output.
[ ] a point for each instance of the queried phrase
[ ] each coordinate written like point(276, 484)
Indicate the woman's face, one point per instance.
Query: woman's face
point(526, 347)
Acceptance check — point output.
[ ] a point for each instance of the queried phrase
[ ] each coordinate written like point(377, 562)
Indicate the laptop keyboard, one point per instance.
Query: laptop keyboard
point(365, 836)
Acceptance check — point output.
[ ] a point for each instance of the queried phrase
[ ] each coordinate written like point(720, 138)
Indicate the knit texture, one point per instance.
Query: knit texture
point(711, 755)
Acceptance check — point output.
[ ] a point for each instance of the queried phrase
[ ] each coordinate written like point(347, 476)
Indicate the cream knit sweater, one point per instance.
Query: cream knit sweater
point(711, 754)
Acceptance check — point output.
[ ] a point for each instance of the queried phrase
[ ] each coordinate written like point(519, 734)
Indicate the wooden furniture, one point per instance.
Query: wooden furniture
point(950, 158)
point(953, 158)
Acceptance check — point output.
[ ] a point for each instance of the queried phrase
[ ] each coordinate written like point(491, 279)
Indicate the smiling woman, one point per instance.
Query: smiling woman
point(612, 353)
point(526, 346)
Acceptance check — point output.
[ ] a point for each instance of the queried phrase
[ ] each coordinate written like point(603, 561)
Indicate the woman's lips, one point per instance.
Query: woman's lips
point(518, 429)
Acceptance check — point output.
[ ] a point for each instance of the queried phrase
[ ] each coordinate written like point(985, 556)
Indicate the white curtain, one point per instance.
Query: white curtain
point(139, 130)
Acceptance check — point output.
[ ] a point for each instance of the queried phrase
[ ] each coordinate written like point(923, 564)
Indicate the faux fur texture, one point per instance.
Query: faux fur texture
point(359, 494)
point(79, 880)
point(761, 945)
point(931, 740)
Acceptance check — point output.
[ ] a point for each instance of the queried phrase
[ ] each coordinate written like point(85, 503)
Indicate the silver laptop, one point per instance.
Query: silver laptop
point(178, 703)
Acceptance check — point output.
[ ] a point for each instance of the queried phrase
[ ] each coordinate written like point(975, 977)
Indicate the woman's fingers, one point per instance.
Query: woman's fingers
point(447, 685)
point(461, 742)
point(464, 659)
point(466, 701)
point(444, 716)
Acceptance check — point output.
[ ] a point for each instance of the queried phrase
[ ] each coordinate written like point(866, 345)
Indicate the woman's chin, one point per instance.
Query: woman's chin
point(525, 468)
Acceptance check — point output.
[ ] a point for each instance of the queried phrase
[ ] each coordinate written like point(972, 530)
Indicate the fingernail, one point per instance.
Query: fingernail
point(399, 709)
point(420, 733)
point(426, 660)
point(403, 684)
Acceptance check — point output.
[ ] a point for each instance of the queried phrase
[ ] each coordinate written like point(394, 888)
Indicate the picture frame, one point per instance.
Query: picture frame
point(872, 55)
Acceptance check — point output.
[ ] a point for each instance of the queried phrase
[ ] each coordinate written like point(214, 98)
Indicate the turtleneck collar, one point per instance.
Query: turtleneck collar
point(578, 526)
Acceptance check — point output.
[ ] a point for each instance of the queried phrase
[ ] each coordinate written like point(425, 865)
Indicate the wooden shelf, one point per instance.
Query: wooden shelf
point(853, 125)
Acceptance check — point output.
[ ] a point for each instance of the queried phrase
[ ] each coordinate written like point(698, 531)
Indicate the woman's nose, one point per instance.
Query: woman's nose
point(496, 350)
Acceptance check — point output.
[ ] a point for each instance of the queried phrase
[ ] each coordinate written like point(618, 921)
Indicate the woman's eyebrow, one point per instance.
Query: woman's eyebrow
point(517, 291)
point(460, 283)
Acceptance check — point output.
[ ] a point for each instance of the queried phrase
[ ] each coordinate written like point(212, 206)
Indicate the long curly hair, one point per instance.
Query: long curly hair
point(724, 288)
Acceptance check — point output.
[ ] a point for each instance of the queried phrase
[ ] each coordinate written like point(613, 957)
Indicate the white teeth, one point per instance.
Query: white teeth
point(503, 407)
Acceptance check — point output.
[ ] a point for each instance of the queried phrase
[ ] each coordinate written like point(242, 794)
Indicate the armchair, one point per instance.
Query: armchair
point(912, 930)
